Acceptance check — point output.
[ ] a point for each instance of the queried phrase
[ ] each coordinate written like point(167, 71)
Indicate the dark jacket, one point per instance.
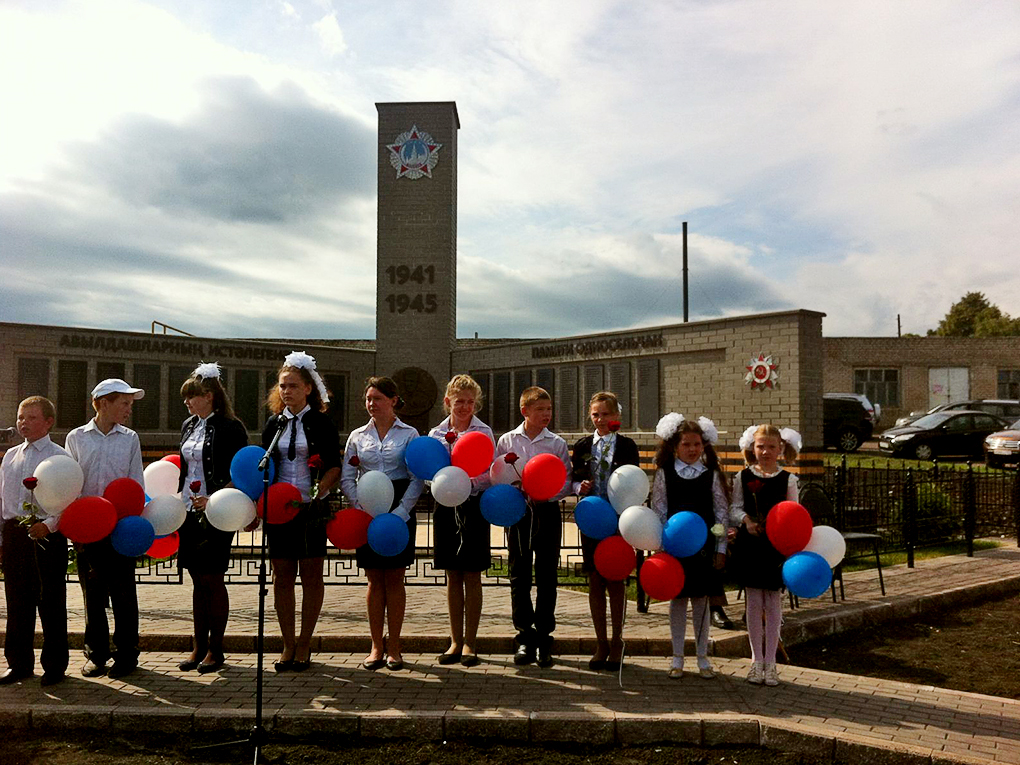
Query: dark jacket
point(625, 453)
point(224, 437)
point(321, 434)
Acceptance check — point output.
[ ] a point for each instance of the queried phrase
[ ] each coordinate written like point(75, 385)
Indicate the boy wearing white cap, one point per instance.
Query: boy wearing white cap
point(106, 450)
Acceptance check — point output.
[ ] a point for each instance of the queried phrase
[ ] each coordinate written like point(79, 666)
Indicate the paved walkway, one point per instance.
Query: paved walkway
point(843, 717)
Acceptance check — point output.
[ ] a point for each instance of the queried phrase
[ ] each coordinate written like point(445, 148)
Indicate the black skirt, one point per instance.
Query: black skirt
point(368, 558)
point(755, 562)
point(204, 549)
point(461, 537)
point(304, 536)
point(700, 577)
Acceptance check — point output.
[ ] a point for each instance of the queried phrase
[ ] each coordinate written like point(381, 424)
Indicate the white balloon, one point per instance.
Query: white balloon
point(641, 527)
point(628, 486)
point(230, 510)
point(828, 543)
point(375, 493)
point(60, 482)
point(166, 513)
point(451, 486)
point(502, 471)
point(161, 477)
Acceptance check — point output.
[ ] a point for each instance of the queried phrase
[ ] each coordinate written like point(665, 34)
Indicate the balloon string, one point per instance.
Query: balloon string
point(623, 651)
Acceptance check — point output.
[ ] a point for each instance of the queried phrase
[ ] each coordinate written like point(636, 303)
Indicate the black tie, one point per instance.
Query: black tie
point(291, 448)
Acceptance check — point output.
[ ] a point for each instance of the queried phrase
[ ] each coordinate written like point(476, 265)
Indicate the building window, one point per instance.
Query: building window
point(546, 378)
point(1009, 383)
point(246, 397)
point(145, 413)
point(33, 378)
point(109, 369)
point(73, 401)
point(881, 386)
point(482, 378)
point(177, 411)
point(501, 402)
point(648, 409)
point(337, 386)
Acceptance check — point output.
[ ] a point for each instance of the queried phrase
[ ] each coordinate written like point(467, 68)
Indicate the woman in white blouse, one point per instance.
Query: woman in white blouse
point(380, 445)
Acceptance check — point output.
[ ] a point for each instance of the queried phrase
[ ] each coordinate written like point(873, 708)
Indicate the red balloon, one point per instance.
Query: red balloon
point(349, 529)
point(164, 547)
point(127, 496)
point(614, 558)
point(281, 495)
point(174, 458)
point(543, 476)
point(662, 576)
point(472, 453)
point(88, 519)
point(788, 527)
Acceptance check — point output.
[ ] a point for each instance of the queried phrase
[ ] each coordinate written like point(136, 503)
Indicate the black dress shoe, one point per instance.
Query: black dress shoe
point(449, 658)
point(394, 665)
point(188, 665)
point(596, 664)
point(212, 666)
point(373, 664)
point(525, 655)
point(284, 665)
point(93, 669)
point(122, 669)
point(545, 659)
point(720, 620)
point(10, 676)
point(469, 659)
point(300, 666)
point(52, 678)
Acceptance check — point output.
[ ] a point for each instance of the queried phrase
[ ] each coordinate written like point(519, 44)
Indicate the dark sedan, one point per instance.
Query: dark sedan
point(941, 434)
point(1003, 447)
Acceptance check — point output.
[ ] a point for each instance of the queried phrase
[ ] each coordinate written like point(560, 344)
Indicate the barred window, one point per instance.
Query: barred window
point(881, 386)
point(1009, 383)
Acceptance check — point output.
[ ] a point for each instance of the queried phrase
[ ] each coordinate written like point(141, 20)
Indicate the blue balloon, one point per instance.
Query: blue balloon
point(388, 534)
point(503, 505)
point(132, 536)
point(596, 518)
point(684, 535)
point(245, 473)
point(425, 457)
point(807, 574)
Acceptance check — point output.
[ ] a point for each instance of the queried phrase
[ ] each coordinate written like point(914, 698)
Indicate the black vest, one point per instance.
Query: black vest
point(762, 494)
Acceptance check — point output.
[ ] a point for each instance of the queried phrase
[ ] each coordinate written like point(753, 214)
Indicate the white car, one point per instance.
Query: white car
point(875, 410)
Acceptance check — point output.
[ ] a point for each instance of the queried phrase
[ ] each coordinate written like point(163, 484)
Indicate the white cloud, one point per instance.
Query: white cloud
point(330, 35)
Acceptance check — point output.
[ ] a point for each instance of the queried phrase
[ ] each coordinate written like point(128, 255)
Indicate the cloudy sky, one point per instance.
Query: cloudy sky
point(210, 164)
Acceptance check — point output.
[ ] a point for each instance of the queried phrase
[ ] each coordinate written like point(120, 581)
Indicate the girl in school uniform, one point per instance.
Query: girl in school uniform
point(308, 456)
point(380, 445)
point(689, 479)
point(461, 533)
point(757, 565)
point(593, 459)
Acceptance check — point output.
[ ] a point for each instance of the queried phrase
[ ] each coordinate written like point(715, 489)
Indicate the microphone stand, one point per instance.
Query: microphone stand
point(257, 734)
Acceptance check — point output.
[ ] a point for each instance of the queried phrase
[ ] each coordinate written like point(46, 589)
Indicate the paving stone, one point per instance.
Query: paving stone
point(857, 750)
point(315, 724)
point(152, 719)
point(800, 739)
point(566, 727)
point(726, 731)
point(83, 717)
point(486, 725)
point(635, 729)
point(14, 718)
point(422, 725)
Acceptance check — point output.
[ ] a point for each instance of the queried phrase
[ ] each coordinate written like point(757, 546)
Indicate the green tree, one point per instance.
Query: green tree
point(973, 316)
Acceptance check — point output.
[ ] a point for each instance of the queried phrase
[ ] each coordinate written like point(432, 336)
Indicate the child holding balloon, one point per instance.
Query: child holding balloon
point(756, 563)
point(380, 446)
point(537, 535)
point(107, 450)
point(689, 479)
point(299, 402)
point(210, 438)
point(461, 533)
point(593, 459)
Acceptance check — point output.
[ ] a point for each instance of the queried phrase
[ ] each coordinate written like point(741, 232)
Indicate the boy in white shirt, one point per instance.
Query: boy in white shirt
point(34, 557)
point(536, 536)
point(106, 450)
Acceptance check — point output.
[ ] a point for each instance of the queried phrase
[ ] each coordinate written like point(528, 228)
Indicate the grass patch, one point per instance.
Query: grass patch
point(925, 553)
point(880, 461)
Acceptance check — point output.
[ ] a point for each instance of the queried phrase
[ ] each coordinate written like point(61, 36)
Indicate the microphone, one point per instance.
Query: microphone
point(282, 424)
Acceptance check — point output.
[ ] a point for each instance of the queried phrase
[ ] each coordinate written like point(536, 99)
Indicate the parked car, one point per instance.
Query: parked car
point(1003, 447)
point(1008, 409)
point(875, 410)
point(949, 432)
point(846, 423)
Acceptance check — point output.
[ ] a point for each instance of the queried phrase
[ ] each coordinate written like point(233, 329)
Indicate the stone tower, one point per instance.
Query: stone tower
point(416, 260)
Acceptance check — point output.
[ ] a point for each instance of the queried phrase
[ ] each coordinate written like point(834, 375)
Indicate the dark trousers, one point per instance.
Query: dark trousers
point(34, 578)
point(106, 575)
point(536, 537)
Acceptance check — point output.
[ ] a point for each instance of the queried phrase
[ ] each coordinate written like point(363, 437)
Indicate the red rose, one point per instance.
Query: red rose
point(755, 485)
point(451, 436)
point(354, 461)
point(195, 485)
point(315, 462)
point(510, 458)
point(614, 425)
point(30, 483)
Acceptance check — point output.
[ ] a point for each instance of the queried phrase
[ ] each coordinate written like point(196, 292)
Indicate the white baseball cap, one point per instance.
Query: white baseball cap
point(116, 385)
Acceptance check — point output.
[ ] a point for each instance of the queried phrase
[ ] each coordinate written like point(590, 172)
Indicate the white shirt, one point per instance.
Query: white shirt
point(737, 513)
point(387, 455)
point(602, 447)
point(104, 457)
point(479, 483)
point(546, 442)
point(687, 472)
point(295, 471)
point(191, 450)
point(20, 463)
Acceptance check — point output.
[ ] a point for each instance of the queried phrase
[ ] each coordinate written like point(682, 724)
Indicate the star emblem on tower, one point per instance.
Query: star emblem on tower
point(762, 373)
point(414, 154)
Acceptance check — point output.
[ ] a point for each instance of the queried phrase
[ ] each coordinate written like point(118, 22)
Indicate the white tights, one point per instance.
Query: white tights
point(767, 603)
point(700, 616)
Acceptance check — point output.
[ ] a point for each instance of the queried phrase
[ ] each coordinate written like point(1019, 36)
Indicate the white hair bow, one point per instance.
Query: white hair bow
point(792, 437)
point(207, 370)
point(668, 425)
point(708, 428)
point(301, 360)
point(747, 439)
